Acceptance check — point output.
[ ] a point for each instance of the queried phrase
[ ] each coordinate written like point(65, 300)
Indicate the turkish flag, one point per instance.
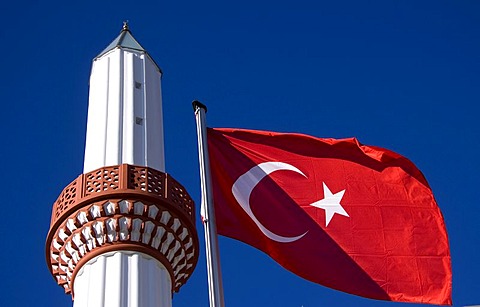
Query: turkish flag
point(355, 218)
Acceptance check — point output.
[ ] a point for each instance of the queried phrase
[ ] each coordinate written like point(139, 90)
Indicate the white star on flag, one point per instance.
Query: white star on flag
point(331, 204)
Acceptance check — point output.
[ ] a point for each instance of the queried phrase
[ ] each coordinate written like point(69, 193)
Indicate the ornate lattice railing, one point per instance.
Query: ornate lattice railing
point(123, 178)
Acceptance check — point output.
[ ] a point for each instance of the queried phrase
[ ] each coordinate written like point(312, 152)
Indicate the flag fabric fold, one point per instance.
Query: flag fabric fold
point(355, 218)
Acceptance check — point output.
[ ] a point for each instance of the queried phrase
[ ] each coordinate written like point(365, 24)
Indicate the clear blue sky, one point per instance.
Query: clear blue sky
point(403, 75)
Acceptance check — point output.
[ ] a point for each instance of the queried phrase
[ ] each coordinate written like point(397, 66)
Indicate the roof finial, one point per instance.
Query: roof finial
point(125, 26)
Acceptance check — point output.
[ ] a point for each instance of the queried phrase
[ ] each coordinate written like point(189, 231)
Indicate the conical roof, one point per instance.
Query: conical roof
point(123, 40)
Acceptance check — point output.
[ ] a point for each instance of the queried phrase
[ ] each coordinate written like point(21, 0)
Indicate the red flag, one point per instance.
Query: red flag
point(355, 218)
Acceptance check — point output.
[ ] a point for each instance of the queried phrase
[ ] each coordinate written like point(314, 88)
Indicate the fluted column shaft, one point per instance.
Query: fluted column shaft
point(123, 279)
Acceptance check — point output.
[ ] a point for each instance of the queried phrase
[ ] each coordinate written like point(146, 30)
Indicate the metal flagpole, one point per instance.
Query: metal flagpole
point(215, 287)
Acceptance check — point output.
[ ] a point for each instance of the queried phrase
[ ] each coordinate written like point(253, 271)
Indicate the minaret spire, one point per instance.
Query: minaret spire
point(123, 233)
point(124, 40)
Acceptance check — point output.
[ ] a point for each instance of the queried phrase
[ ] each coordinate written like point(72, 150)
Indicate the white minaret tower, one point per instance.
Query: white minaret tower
point(123, 233)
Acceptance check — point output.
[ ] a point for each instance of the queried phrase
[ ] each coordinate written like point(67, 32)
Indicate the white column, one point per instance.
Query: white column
point(125, 120)
point(123, 279)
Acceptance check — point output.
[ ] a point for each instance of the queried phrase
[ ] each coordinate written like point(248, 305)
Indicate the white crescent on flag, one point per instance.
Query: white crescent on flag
point(244, 185)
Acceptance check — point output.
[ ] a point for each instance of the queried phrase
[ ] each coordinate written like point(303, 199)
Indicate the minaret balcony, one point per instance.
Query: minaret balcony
point(122, 207)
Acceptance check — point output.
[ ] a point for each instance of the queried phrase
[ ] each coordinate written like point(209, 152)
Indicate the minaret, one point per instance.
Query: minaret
point(123, 233)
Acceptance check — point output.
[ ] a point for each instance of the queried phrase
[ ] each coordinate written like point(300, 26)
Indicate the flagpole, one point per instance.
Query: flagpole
point(207, 210)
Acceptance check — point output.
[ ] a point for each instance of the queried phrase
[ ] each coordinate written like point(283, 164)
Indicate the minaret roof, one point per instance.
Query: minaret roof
point(124, 40)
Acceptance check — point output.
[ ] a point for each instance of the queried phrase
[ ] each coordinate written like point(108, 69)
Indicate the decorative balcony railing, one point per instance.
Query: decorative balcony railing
point(125, 179)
